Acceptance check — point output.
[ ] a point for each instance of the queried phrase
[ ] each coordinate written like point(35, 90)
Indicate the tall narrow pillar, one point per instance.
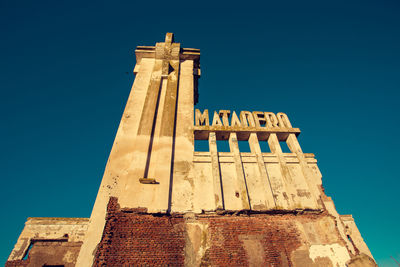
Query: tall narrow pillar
point(283, 199)
point(218, 194)
point(142, 165)
point(294, 146)
point(240, 175)
point(268, 195)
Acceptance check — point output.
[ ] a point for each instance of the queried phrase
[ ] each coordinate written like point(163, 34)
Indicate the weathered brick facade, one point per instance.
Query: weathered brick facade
point(140, 239)
point(134, 237)
point(49, 241)
point(274, 238)
point(50, 253)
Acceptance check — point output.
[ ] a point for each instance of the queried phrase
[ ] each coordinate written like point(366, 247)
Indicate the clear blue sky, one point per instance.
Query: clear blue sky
point(332, 66)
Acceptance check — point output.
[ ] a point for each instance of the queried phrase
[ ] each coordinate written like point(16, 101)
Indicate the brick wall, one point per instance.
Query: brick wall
point(133, 237)
point(50, 253)
point(266, 240)
point(17, 263)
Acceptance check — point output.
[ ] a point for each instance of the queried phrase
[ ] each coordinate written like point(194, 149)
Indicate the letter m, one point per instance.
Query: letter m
point(201, 118)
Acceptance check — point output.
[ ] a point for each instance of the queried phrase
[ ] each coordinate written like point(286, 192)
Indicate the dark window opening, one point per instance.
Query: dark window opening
point(201, 146)
point(264, 146)
point(284, 147)
point(244, 146)
point(26, 255)
point(223, 146)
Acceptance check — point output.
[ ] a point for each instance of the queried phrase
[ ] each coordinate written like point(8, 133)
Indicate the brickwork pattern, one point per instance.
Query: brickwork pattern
point(133, 238)
point(17, 263)
point(277, 236)
point(49, 252)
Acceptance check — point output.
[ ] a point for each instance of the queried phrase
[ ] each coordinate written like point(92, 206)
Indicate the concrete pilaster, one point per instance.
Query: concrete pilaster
point(298, 195)
point(182, 187)
point(240, 176)
point(218, 194)
point(121, 156)
point(294, 146)
point(279, 181)
point(268, 196)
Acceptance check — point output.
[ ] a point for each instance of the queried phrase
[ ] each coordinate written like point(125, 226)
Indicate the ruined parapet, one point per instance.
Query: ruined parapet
point(354, 235)
point(49, 241)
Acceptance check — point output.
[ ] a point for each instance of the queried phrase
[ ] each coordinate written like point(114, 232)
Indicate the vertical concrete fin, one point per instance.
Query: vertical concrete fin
point(218, 191)
point(182, 185)
point(240, 176)
point(282, 202)
point(294, 146)
point(255, 148)
point(147, 137)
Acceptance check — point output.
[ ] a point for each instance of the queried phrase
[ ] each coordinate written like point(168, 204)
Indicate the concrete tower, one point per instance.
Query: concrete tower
point(163, 203)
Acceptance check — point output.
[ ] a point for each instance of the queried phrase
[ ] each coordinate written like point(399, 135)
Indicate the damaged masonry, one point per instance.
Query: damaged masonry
point(162, 203)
